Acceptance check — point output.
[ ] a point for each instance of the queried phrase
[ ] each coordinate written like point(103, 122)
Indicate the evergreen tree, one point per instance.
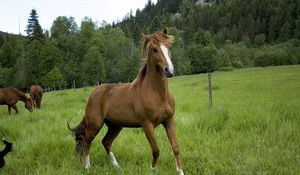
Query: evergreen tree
point(155, 25)
point(297, 29)
point(34, 29)
point(285, 32)
point(273, 28)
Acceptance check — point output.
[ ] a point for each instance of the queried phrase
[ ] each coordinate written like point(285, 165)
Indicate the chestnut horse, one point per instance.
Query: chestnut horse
point(36, 94)
point(146, 102)
point(10, 97)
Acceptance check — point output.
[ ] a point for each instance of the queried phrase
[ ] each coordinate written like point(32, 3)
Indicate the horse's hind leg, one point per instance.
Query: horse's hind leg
point(38, 103)
point(170, 127)
point(109, 137)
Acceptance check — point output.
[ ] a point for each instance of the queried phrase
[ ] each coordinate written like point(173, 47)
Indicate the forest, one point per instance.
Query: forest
point(209, 35)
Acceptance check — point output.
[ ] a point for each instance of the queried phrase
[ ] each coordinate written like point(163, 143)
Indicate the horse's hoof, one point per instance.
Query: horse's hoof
point(154, 170)
point(117, 166)
point(180, 172)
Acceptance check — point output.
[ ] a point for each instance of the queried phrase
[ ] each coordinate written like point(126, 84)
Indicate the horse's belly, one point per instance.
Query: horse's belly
point(123, 121)
point(2, 101)
point(122, 116)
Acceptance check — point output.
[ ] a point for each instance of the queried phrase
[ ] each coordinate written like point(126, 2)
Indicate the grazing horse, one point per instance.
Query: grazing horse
point(146, 102)
point(36, 94)
point(6, 150)
point(10, 96)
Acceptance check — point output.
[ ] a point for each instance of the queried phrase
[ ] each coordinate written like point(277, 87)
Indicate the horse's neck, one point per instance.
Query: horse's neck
point(22, 97)
point(156, 80)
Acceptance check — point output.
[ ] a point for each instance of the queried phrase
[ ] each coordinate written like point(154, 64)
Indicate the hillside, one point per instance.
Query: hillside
point(234, 20)
point(209, 35)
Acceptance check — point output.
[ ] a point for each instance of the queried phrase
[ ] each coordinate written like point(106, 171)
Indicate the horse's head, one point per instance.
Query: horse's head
point(28, 105)
point(158, 49)
point(78, 133)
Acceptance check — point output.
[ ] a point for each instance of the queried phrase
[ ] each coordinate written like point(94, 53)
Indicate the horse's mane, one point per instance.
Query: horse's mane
point(141, 75)
point(19, 93)
point(154, 39)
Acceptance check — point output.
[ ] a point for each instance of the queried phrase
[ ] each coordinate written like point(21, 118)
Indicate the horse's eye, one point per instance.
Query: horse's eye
point(154, 50)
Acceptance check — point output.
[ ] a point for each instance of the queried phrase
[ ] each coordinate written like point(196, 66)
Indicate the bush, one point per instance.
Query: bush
point(54, 78)
point(203, 59)
point(271, 57)
point(226, 69)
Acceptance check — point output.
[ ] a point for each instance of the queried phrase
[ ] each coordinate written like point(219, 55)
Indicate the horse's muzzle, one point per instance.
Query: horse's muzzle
point(168, 73)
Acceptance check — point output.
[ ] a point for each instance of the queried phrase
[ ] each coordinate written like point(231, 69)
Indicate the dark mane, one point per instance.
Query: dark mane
point(19, 93)
point(141, 75)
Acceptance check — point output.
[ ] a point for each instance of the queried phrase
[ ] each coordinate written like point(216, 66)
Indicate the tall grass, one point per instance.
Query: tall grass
point(254, 128)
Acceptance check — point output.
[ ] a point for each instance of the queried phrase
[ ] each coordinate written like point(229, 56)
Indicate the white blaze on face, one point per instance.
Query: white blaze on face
point(166, 54)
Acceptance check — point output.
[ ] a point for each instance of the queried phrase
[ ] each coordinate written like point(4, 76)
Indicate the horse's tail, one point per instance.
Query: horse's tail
point(79, 133)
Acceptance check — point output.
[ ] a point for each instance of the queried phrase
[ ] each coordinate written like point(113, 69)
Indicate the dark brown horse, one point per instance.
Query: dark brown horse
point(36, 94)
point(7, 149)
point(10, 97)
point(146, 102)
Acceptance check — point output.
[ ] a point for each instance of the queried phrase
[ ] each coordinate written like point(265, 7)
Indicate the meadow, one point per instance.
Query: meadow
point(254, 128)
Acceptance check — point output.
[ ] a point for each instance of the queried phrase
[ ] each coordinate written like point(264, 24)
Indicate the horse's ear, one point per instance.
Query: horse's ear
point(165, 31)
point(146, 41)
point(146, 37)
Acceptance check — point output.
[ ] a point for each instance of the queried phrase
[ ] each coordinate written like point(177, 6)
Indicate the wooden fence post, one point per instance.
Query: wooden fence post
point(84, 86)
point(210, 91)
point(74, 85)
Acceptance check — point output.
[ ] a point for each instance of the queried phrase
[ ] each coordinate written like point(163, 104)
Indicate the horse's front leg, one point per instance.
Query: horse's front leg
point(14, 106)
point(170, 127)
point(149, 132)
point(9, 108)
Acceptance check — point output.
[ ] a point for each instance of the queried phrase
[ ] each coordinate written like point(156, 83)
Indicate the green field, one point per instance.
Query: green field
point(254, 128)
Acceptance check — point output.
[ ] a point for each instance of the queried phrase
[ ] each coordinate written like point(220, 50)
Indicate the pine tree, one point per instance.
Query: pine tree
point(273, 28)
point(34, 29)
point(155, 25)
point(285, 31)
point(297, 29)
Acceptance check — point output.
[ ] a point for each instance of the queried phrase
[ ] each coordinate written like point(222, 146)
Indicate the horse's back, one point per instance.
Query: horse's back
point(112, 102)
point(7, 95)
point(94, 112)
point(106, 92)
point(36, 90)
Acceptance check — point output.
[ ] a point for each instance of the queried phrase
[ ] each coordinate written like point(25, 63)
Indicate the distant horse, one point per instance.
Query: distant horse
point(10, 96)
point(36, 94)
point(146, 102)
point(6, 150)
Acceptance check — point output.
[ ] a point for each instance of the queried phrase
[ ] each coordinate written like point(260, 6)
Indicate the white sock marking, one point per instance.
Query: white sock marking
point(179, 170)
point(87, 163)
point(165, 52)
point(113, 160)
